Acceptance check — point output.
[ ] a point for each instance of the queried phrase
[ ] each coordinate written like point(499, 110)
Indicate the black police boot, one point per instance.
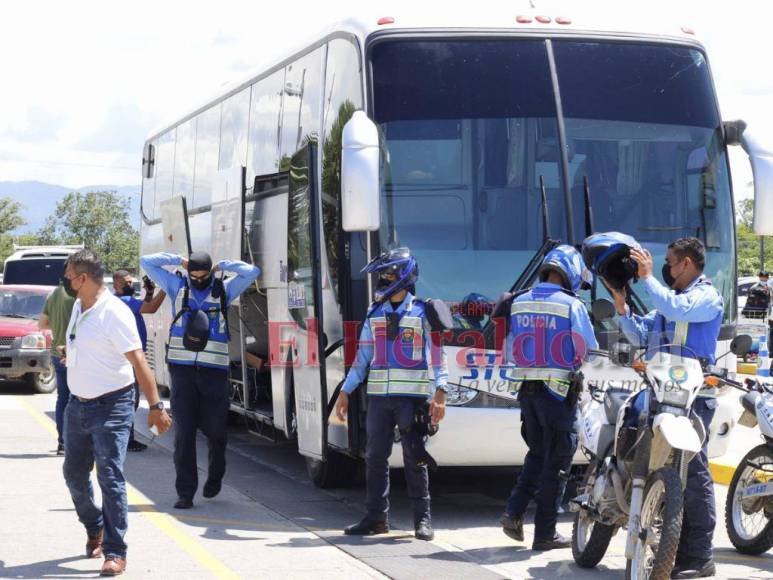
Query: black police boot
point(367, 527)
point(512, 526)
point(694, 568)
point(557, 542)
point(212, 488)
point(423, 530)
point(183, 503)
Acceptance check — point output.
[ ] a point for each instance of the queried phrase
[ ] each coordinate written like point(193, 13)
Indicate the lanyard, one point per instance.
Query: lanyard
point(77, 324)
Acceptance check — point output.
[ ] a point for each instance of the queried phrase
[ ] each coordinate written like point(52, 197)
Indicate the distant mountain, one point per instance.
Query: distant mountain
point(39, 199)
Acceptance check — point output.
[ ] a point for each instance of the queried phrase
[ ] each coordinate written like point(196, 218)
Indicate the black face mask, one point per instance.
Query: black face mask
point(127, 290)
point(667, 277)
point(201, 283)
point(67, 285)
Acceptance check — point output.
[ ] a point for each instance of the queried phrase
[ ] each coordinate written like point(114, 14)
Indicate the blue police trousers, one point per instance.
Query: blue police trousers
point(384, 413)
point(200, 400)
point(699, 515)
point(548, 428)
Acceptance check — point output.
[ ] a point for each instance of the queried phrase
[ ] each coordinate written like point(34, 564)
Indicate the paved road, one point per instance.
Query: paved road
point(269, 521)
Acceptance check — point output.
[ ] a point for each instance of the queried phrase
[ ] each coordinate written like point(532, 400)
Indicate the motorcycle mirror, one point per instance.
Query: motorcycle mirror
point(741, 345)
point(602, 309)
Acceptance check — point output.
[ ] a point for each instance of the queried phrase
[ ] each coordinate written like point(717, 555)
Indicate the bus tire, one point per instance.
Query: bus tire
point(338, 470)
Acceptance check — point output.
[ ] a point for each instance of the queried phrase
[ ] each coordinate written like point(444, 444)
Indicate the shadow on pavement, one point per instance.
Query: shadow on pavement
point(48, 569)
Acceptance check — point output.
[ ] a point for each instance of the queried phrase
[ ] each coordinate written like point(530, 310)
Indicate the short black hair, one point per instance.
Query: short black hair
point(87, 262)
point(763, 274)
point(691, 248)
point(121, 274)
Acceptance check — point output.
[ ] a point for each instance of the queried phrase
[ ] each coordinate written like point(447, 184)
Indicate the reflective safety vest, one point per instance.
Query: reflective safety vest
point(399, 365)
point(698, 338)
point(215, 354)
point(540, 335)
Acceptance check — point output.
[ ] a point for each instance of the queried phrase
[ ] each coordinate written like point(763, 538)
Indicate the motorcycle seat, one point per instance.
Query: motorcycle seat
point(749, 400)
point(614, 399)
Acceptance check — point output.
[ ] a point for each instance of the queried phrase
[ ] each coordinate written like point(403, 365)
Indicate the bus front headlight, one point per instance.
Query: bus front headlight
point(457, 396)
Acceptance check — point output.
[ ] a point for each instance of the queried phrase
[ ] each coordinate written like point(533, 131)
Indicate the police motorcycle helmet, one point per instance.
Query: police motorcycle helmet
point(399, 263)
point(567, 262)
point(608, 255)
point(475, 307)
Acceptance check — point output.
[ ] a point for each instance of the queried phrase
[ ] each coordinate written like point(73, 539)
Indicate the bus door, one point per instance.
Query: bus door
point(304, 299)
point(177, 240)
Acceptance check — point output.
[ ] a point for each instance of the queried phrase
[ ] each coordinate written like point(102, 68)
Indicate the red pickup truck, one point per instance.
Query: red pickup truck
point(24, 348)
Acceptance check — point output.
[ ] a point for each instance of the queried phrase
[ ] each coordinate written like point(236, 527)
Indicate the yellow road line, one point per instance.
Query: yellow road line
point(162, 521)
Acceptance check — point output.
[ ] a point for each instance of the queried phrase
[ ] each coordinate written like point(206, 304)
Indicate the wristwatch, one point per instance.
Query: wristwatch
point(158, 406)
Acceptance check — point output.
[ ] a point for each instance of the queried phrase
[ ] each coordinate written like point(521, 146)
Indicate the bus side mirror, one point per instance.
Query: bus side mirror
point(360, 160)
point(761, 158)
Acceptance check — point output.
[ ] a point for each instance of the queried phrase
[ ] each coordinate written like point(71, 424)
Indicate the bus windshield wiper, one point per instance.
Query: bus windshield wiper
point(14, 315)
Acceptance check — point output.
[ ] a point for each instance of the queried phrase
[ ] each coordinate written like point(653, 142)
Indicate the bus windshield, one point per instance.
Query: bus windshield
point(470, 129)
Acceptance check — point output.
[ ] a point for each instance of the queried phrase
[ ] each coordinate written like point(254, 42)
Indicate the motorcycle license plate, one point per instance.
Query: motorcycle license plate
point(758, 490)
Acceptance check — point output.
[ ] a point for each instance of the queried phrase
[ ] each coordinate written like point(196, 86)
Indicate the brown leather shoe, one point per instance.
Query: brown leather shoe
point(113, 566)
point(94, 546)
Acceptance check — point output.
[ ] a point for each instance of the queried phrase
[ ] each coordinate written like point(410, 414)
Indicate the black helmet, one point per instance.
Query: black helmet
point(609, 255)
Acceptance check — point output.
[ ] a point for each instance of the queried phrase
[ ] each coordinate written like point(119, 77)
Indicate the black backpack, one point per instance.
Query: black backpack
point(196, 334)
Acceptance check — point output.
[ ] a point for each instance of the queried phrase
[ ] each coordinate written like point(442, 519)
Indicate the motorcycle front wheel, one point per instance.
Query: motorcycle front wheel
point(661, 525)
point(749, 521)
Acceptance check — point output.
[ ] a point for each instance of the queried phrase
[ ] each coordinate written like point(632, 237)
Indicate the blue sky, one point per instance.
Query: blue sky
point(85, 81)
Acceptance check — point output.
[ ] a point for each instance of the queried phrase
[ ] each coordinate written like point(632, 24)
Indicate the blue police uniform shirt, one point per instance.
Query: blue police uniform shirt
point(526, 364)
point(366, 351)
point(135, 305)
point(171, 283)
point(694, 315)
point(578, 316)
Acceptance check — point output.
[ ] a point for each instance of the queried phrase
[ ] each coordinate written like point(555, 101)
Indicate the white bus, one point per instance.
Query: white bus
point(471, 117)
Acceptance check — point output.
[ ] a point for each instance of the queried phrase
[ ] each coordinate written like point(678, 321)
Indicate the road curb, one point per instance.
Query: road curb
point(721, 473)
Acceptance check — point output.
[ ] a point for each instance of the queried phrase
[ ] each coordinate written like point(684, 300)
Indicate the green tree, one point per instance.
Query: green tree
point(100, 221)
point(10, 219)
point(748, 243)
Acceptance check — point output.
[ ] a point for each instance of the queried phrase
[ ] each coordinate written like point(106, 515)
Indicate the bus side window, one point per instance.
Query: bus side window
point(343, 96)
point(302, 97)
point(265, 108)
point(164, 170)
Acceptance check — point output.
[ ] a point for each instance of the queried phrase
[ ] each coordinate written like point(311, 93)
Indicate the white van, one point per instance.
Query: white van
point(40, 265)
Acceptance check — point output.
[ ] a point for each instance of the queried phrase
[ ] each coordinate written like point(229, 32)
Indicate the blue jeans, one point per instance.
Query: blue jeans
point(98, 431)
point(62, 395)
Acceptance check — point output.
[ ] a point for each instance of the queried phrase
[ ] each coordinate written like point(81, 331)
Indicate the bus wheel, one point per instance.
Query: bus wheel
point(338, 470)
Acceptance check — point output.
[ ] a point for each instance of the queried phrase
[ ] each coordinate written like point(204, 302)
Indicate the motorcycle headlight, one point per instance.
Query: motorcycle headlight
point(457, 396)
point(33, 341)
point(674, 395)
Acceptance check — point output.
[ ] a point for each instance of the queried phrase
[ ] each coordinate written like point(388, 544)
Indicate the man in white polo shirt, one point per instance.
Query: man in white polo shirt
point(103, 355)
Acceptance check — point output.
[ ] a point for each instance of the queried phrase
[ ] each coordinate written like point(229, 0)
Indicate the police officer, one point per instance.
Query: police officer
point(687, 311)
point(200, 389)
point(398, 385)
point(550, 334)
